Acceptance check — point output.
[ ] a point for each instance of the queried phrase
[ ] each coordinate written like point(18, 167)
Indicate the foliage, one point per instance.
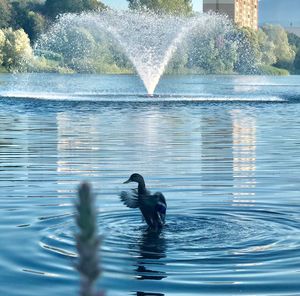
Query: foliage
point(179, 61)
point(76, 47)
point(249, 54)
point(35, 25)
point(271, 70)
point(40, 64)
point(209, 57)
point(297, 62)
point(283, 51)
point(294, 40)
point(2, 43)
point(2, 70)
point(5, 13)
point(106, 59)
point(55, 7)
point(16, 49)
point(118, 57)
point(26, 15)
point(267, 48)
point(177, 7)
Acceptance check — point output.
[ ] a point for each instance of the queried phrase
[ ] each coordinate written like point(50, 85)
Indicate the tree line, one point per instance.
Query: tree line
point(33, 16)
point(271, 49)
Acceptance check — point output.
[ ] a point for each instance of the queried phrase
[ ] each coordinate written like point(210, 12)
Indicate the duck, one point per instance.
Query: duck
point(152, 206)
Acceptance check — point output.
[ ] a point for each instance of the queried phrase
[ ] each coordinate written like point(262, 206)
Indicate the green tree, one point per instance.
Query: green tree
point(177, 7)
point(16, 49)
point(75, 45)
point(26, 15)
point(2, 42)
point(56, 7)
point(283, 51)
point(212, 53)
point(248, 54)
point(35, 25)
point(267, 48)
point(294, 40)
point(297, 62)
point(179, 61)
point(5, 13)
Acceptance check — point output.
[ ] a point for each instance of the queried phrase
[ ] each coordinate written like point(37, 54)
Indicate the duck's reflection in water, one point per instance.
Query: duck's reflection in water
point(152, 248)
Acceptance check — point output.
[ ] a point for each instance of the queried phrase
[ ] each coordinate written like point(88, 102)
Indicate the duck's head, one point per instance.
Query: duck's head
point(135, 178)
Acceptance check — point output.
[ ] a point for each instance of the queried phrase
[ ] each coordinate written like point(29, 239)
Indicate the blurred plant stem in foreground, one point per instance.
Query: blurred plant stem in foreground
point(87, 241)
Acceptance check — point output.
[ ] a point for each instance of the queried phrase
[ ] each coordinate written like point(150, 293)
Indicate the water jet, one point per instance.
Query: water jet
point(147, 42)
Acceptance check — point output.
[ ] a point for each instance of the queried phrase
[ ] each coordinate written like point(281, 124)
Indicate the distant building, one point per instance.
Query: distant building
point(243, 12)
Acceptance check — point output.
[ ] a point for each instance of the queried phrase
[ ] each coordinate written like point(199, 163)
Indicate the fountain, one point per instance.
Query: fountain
point(148, 41)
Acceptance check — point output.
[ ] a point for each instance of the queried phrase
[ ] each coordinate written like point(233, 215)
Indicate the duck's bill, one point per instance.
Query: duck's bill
point(128, 181)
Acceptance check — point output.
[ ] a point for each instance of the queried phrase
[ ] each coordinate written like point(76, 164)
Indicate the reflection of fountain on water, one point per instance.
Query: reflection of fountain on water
point(148, 41)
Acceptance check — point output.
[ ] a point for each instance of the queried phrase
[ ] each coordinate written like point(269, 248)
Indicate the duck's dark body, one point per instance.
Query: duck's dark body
point(152, 206)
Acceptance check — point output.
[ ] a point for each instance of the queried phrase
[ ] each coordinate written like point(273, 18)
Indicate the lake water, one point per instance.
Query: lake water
point(224, 150)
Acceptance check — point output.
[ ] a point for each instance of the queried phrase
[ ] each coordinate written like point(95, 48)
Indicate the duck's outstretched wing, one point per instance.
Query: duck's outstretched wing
point(161, 207)
point(130, 198)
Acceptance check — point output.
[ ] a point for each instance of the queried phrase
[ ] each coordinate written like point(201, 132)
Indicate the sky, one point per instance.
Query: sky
point(123, 4)
point(283, 12)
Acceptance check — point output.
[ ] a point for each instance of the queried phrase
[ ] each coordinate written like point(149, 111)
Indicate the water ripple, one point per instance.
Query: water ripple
point(229, 171)
point(204, 246)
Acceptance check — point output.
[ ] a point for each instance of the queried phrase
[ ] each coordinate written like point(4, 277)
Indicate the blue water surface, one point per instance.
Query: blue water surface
point(224, 150)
